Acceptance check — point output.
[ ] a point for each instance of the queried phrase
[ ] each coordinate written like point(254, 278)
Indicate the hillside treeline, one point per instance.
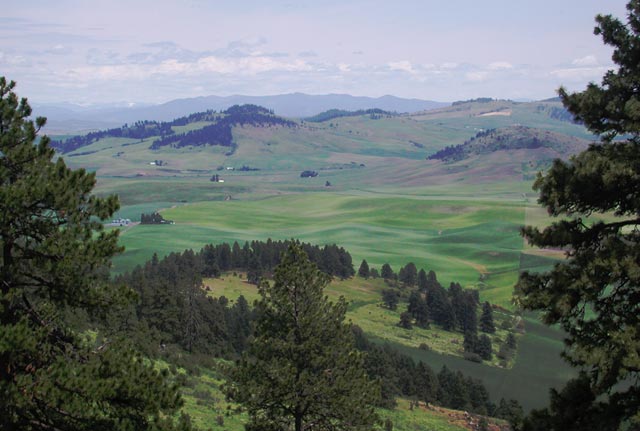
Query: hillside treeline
point(139, 130)
point(374, 114)
point(218, 133)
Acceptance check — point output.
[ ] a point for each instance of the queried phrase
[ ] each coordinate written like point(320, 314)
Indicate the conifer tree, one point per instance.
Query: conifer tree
point(486, 319)
point(363, 271)
point(302, 370)
point(52, 265)
point(593, 294)
point(386, 272)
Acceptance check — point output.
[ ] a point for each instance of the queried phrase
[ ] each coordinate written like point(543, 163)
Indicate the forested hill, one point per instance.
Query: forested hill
point(511, 138)
point(338, 113)
point(217, 133)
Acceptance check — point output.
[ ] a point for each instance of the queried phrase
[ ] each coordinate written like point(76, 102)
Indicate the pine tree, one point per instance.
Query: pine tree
point(486, 319)
point(302, 368)
point(408, 274)
point(386, 272)
point(593, 294)
point(54, 255)
point(390, 298)
point(422, 280)
point(483, 347)
point(363, 271)
point(405, 320)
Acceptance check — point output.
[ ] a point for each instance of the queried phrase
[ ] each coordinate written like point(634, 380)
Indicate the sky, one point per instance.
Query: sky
point(152, 51)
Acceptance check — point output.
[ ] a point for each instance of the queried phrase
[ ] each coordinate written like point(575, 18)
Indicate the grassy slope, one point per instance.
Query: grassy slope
point(536, 368)
point(205, 403)
point(366, 311)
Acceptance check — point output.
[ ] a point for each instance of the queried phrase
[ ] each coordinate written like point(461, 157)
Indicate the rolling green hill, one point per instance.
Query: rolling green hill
point(376, 194)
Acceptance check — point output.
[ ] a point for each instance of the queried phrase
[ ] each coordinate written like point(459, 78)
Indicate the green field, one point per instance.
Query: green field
point(469, 241)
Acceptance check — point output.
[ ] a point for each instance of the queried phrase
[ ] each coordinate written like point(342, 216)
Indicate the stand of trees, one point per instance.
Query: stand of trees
point(153, 218)
point(453, 309)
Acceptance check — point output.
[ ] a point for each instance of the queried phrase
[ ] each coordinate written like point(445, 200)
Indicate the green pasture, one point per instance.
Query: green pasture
point(466, 241)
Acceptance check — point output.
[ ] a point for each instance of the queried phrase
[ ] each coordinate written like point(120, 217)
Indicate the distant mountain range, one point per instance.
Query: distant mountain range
point(63, 118)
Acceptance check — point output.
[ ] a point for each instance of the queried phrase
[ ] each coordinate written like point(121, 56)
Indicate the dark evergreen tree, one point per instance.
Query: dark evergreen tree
point(386, 272)
point(593, 294)
point(408, 274)
point(405, 320)
point(427, 383)
point(418, 309)
point(470, 343)
point(363, 271)
point(53, 261)
point(510, 411)
point(486, 319)
point(483, 347)
point(422, 280)
point(390, 298)
point(301, 370)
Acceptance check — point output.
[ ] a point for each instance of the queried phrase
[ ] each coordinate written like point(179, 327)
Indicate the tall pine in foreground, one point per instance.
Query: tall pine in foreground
point(302, 370)
point(594, 295)
point(52, 266)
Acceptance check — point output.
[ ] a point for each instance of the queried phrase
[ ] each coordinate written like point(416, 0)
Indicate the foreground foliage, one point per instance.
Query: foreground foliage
point(302, 371)
point(595, 294)
point(53, 376)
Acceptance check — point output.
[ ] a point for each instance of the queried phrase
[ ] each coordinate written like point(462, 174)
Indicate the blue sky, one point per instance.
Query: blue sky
point(117, 51)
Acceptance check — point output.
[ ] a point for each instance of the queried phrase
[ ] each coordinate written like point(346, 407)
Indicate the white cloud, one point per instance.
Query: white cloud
point(500, 65)
point(477, 76)
point(586, 61)
point(449, 65)
point(580, 73)
point(404, 66)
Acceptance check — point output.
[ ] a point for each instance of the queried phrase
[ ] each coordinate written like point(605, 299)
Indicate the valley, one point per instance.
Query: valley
point(377, 195)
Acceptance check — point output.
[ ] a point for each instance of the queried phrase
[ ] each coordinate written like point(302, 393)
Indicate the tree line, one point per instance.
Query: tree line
point(215, 134)
point(374, 114)
point(219, 133)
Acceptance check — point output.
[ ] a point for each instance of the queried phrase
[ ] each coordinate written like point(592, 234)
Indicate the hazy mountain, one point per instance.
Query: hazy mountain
point(73, 118)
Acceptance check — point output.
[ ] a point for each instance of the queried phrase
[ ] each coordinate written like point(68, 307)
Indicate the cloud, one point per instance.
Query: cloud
point(97, 57)
point(59, 49)
point(580, 73)
point(477, 76)
point(586, 61)
point(404, 66)
point(500, 65)
point(307, 54)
